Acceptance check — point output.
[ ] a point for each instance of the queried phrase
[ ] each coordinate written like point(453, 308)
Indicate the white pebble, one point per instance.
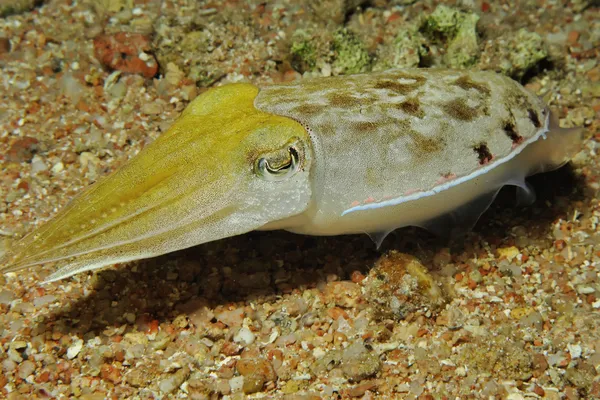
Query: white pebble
point(43, 300)
point(38, 165)
point(245, 336)
point(58, 167)
point(168, 385)
point(236, 384)
point(74, 349)
point(574, 350)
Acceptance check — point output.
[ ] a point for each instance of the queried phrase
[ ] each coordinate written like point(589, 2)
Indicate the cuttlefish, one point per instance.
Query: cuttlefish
point(364, 153)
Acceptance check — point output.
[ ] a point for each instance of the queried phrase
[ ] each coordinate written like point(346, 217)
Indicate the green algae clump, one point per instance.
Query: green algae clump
point(304, 53)
point(443, 23)
point(350, 55)
point(340, 52)
point(405, 51)
point(515, 53)
point(458, 30)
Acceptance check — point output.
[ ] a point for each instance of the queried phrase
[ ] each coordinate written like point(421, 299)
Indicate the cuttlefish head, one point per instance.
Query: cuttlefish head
point(223, 169)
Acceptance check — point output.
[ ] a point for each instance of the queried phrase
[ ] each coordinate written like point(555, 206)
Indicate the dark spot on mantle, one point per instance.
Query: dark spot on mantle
point(466, 83)
point(308, 109)
point(483, 153)
point(365, 126)
point(459, 109)
point(535, 119)
point(344, 100)
point(399, 87)
point(413, 107)
point(511, 131)
point(425, 146)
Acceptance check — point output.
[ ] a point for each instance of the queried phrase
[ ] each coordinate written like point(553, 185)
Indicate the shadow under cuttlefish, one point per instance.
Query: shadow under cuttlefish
point(260, 266)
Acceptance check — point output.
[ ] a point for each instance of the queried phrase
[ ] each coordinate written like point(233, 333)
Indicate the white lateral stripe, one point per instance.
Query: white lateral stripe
point(437, 189)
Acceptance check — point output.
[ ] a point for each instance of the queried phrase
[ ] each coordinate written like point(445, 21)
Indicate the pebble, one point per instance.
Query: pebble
point(121, 51)
point(58, 168)
point(43, 300)
point(38, 165)
point(71, 87)
point(23, 149)
point(244, 336)
point(4, 45)
point(152, 108)
point(74, 349)
point(255, 371)
point(359, 363)
point(231, 318)
point(26, 368)
point(6, 296)
point(236, 383)
point(574, 350)
point(174, 381)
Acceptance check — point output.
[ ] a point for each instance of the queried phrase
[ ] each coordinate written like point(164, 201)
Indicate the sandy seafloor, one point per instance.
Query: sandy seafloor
point(511, 311)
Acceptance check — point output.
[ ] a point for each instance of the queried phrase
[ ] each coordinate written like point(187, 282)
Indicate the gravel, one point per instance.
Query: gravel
point(512, 310)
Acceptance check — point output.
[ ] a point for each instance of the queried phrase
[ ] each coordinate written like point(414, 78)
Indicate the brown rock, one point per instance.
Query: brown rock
point(359, 363)
point(256, 372)
point(399, 285)
point(359, 390)
point(540, 365)
point(343, 294)
point(22, 150)
point(4, 45)
point(121, 51)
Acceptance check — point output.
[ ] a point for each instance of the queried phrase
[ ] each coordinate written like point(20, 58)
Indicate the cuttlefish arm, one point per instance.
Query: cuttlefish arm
point(223, 169)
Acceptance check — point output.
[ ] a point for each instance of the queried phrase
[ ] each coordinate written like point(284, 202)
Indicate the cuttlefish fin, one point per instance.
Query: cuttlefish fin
point(525, 192)
point(462, 219)
point(379, 237)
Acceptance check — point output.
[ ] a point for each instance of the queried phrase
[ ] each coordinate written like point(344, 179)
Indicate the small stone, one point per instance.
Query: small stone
point(121, 51)
point(572, 37)
point(14, 355)
point(23, 150)
point(89, 160)
point(174, 381)
point(508, 252)
point(399, 284)
point(181, 322)
point(58, 168)
point(236, 383)
point(174, 75)
point(4, 45)
point(344, 294)
point(43, 300)
point(74, 349)
point(26, 368)
point(574, 350)
point(256, 372)
point(71, 87)
point(38, 164)
point(151, 108)
point(6, 296)
point(359, 363)
point(244, 336)
point(129, 317)
point(231, 317)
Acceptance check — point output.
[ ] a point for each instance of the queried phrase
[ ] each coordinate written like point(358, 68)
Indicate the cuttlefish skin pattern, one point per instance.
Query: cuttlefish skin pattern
point(326, 156)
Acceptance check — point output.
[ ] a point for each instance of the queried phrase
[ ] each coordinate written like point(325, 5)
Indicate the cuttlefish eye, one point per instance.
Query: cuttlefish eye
point(280, 164)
